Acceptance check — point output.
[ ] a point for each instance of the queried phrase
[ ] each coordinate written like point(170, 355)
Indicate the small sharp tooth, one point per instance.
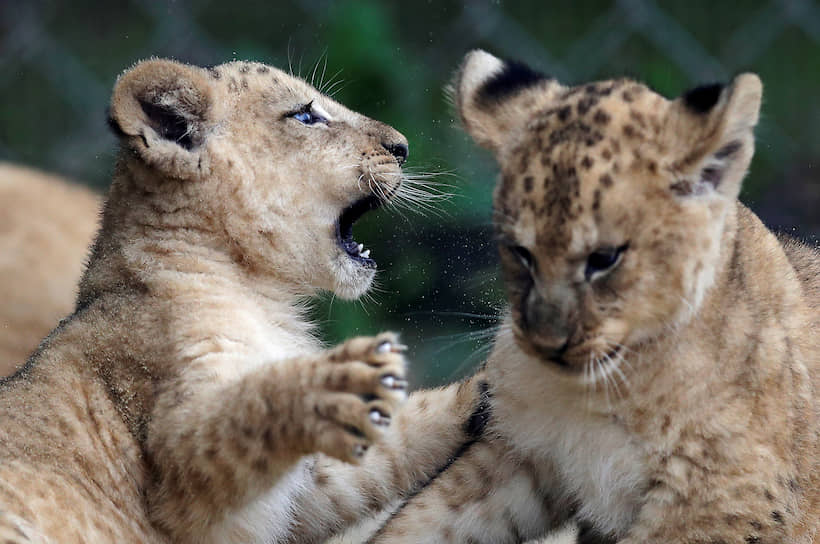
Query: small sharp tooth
point(365, 253)
point(361, 247)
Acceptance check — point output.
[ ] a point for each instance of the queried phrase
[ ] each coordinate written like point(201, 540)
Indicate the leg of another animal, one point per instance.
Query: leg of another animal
point(485, 497)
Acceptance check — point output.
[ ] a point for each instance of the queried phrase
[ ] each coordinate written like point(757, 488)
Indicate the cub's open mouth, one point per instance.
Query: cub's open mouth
point(344, 229)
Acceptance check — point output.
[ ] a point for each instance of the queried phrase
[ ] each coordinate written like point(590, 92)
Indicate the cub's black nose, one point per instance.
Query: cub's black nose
point(400, 151)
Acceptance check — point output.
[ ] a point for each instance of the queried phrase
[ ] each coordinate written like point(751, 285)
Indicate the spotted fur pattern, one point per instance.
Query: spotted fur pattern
point(657, 376)
point(186, 398)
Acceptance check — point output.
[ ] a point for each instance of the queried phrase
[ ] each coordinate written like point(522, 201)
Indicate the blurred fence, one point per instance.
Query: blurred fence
point(58, 61)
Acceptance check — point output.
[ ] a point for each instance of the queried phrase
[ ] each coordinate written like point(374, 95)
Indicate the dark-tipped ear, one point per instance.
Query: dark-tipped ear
point(491, 96)
point(714, 128)
point(163, 109)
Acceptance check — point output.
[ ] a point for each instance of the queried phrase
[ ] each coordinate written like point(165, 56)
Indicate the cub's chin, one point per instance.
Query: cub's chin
point(350, 279)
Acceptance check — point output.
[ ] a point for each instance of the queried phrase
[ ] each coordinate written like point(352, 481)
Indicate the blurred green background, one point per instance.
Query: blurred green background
point(438, 284)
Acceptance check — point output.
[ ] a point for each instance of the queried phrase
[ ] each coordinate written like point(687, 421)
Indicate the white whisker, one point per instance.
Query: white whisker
point(331, 82)
point(336, 88)
point(330, 304)
point(378, 189)
point(613, 369)
point(324, 69)
point(484, 337)
point(468, 315)
point(587, 392)
point(623, 359)
point(605, 383)
point(299, 68)
point(469, 335)
point(290, 59)
point(617, 368)
point(316, 67)
point(593, 367)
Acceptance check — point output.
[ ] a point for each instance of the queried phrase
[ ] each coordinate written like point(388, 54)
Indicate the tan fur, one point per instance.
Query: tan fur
point(46, 228)
point(671, 396)
point(186, 399)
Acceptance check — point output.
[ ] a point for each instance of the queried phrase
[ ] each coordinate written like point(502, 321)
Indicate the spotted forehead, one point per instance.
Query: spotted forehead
point(574, 151)
point(240, 76)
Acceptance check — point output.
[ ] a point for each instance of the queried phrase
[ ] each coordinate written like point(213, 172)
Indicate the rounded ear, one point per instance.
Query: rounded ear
point(714, 128)
point(163, 109)
point(491, 94)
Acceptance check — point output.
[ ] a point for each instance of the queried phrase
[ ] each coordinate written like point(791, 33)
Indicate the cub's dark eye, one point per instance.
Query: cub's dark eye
point(307, 116)
point(523, 254)
point(603, 259)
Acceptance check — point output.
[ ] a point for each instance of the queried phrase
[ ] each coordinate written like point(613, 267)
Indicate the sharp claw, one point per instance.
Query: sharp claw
point(379, 418)
point(387, 346)
point(392, 382)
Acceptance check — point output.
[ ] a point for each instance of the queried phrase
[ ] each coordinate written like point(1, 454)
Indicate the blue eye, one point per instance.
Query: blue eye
point(307, 116)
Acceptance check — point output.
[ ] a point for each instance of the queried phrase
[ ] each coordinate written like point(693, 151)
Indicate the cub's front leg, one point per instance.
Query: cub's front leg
point(486, 496)
point(755, 511)
point(431, 428)
point(217, 447)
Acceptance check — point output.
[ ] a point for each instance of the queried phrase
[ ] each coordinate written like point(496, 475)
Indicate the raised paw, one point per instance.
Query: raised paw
point(356, 390)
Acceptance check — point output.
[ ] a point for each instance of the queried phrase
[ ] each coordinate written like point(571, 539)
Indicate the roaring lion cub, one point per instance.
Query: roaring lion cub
point(657, 377)
point(186, 398)
point(46, 228)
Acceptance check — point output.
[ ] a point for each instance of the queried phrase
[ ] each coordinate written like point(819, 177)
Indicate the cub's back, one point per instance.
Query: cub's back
point(102, 453)
point(806, 262)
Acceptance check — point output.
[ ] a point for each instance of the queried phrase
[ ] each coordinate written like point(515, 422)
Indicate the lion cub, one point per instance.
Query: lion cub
point(657, 377)
point(46, 227)
point(186, 398)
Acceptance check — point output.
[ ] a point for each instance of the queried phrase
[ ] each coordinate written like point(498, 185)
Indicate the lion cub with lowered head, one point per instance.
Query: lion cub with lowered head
point(186, 398)
point(658, 375)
